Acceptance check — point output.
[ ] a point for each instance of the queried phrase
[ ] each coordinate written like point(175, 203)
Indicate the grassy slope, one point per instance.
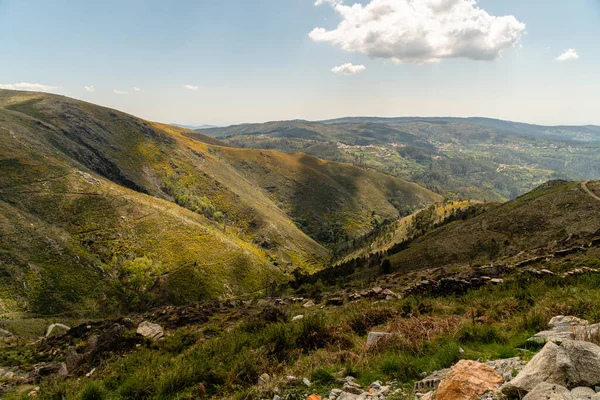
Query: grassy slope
point(117, 231)
point(557, 212)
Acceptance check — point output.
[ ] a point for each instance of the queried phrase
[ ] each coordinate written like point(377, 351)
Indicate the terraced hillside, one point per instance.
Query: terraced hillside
point(102, 211)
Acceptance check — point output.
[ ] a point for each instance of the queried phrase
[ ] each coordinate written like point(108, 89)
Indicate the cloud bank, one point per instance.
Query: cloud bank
point(35, 87)
point(423, 31)
point(120, 91)
point(348, 69)
point(191, 87)
point(90, 88)
point(569, 54)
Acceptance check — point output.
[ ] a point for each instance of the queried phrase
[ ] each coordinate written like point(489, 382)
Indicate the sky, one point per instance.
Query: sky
point(223, 62)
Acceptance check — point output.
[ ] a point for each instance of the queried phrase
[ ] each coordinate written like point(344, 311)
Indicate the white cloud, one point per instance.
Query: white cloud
point(191, 87)
point(120, 91)
point(332, 2)
point(137, 89)
point(348, 69)
point(423, 31)
point(36, 87)
point(569, 54)
point(90, 88)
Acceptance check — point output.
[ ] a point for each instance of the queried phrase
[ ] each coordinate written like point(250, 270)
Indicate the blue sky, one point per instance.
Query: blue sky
point(253, 60)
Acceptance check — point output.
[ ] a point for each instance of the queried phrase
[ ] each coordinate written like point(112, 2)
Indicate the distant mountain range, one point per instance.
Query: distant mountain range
point(477, 158)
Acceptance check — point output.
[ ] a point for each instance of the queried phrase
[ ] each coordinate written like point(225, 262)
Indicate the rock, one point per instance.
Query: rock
point(375, 385)
point(5, 334)
point(298, 317)
point(276, 397)
point(561, 328)
point(335, 301)
point(468, 380)
point(51, 369)
point(150, 330)
point(264, 379)
point(430, 382)
point(306, 382)
point(309, 304)
point(291, 380)
point(374, 337)
point(57, 328)
point(570, 363)
point(427, 396)
point(347, 396)
point(334, 393)
point(351, 387)
point(549, 391)
point(582, 392)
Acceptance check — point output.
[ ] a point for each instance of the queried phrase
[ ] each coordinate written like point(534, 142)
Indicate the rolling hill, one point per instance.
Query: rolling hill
point(475, 158)
point(102, 211)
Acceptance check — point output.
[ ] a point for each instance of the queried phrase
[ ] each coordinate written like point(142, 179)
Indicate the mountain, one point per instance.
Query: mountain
point(102, 211)
point(194, 127)
point(474, 158)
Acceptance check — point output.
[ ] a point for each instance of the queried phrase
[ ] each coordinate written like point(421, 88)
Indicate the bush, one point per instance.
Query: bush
point(477, 333)
point(93, 391)
point(322, 376)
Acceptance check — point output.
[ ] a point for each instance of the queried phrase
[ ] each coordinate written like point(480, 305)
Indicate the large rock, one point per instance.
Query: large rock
point(549, 391)
point(468, 380)
point(561, 328)
point(570, 363)
point(150, 330)
point(374, 337)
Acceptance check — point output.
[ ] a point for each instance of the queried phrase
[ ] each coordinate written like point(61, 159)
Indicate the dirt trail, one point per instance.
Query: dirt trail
point(588, 191)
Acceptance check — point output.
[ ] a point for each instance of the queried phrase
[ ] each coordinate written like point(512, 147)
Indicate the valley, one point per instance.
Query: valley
point(144, 260)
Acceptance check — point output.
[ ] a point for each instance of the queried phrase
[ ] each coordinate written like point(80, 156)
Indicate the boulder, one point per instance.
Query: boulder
point(298, 317)
point(561, 328)
point(57, 329)
point(582, 392)
point(468, 380)
point(549, 391)
point(150, 330)
point(309, 304)
point(570, 363)
point(374, 337)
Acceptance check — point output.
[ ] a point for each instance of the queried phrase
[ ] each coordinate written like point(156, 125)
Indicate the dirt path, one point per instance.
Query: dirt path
point(588, 191)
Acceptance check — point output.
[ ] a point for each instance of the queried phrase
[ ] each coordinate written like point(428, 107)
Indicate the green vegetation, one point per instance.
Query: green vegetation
point(475, 158)
point(489, 323)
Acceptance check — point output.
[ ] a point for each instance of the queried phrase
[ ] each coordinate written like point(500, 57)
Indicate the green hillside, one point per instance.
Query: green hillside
point(102, 210)
point(474, 158)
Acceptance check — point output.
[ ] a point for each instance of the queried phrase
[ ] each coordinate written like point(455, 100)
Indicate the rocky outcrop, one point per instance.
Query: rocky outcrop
point(570, 363)
point(565, 328)
point(468, 380)
point(150, 330)
point(549, 391)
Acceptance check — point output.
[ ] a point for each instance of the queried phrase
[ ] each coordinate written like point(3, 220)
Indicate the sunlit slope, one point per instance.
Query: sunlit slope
point(555, 216)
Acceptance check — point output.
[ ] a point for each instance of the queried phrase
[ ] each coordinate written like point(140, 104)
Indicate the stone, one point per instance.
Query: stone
point(375, 385)
point(264, 379)
point(350, 387)
point(582, 392)
point(335, 301)
point(5, 334)
point(374, 337)
point(570, 363)
point(57, 328)
point(150, 330)
point(564, 327)
point(298, 317)
point(334, 393)
point(430, 382)
point(468, 380)
point(306, 382)
point(549, 391)
point(347, 396)
point(309, 304)
point(276, 397)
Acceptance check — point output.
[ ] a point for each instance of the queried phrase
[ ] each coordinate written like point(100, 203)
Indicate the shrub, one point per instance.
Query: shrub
point(479, 333)
point(322, 376)
point(93, 391)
